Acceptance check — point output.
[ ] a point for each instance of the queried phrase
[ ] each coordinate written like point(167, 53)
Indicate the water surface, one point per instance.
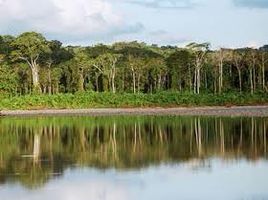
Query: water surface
point(121, 158)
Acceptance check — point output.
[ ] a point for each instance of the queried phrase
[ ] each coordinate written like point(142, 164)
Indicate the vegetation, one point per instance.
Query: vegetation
point(32, 65)
point(127, 100)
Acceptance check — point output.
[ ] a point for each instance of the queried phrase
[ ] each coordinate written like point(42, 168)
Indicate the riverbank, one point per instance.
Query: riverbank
point(254, 111)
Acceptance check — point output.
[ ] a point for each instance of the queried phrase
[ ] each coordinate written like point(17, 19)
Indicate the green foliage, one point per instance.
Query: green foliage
point(29, 46)
point(133, 67)
point(94, 100)
point(9, 80)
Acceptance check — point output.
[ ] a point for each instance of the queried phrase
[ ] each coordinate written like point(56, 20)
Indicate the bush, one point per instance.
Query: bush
point(101, 100)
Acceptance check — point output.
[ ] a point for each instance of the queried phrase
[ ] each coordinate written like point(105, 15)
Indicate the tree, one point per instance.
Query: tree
point(220, 64)
point(51, 60)
point(47, 66)
point(199, 51)
point(252, 62)
point(218, 59)
point(29, 47)
point(5, 44)
point(263, 60)
point(238, 60)
point(158, 69)
point(106, 65)
point(136, 65)
point(180, 64)
point(83, 63)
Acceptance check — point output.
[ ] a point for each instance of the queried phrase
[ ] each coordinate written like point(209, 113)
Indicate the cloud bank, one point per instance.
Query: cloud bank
point(164, 4)
point(230, 23)
point(77, 20)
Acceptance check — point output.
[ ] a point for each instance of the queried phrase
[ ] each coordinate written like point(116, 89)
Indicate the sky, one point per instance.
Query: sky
point(223, 23)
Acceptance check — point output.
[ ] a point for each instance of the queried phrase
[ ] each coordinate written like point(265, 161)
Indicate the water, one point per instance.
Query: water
point(133, 158)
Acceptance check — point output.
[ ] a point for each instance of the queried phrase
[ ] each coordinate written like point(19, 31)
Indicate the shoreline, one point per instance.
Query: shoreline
point(246, 111)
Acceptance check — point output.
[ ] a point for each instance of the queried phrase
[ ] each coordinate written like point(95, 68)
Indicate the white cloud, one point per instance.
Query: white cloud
point(253, 44)
point(223, 23)
point(75, 19)
point(169, 4)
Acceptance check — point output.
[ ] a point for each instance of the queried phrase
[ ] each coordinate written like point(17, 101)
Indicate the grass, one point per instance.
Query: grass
point(125, 100)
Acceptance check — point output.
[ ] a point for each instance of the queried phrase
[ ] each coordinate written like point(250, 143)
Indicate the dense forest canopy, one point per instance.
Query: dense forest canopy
point(30, 64)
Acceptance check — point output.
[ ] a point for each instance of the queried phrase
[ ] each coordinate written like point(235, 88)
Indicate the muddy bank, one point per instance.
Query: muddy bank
point(261, 111)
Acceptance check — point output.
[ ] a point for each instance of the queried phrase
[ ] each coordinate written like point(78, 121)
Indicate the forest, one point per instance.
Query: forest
point(32, 65)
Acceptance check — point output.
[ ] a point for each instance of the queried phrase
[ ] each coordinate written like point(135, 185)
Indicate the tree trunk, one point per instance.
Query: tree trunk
point(113, 85)
point(138, 84)
point(206, 81)
point(44, 89)
point(198, 81)
point(254, 79)
point(251, 81)
point(35, 79)
point(105, 83)
point(81, 81)
point(49, 80)
point(263, 76)
point(240, 80)
point(32, 63)
point(97, 82)
point(113, 79)
point(57, 88)
point(195, 80)
point(159, 82)
point(220, 76)
point(134, 80)
point(190, 79)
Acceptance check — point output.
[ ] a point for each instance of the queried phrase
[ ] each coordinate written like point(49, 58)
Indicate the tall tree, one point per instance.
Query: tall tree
point(83, 63)
point(263, 60)
point(199, 51)
point(180, 65)
point(28, 47)
point(158, 69)
point(218, 58)
point(109, 63)
point(136, 65)
point(252, 62)
point(52, 59)
point(239, 56)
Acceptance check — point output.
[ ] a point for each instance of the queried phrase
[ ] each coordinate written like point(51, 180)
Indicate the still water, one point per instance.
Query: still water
point(133, 158)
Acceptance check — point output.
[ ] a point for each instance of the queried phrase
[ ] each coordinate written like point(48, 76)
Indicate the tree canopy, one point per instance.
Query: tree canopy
point(127, 67)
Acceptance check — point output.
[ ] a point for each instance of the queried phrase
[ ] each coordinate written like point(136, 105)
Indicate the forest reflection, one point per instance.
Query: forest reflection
point(35, 150)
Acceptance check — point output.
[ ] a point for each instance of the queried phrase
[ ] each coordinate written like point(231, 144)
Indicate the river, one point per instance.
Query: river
point(133, 158)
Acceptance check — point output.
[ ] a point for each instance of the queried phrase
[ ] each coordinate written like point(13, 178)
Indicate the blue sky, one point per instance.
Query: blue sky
point(223, 23)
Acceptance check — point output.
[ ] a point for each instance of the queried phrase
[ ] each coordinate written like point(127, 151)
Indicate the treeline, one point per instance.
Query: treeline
point(30, 64)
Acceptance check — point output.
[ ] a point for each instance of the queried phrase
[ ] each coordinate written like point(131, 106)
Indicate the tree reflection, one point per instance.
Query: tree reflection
point(32, 151)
